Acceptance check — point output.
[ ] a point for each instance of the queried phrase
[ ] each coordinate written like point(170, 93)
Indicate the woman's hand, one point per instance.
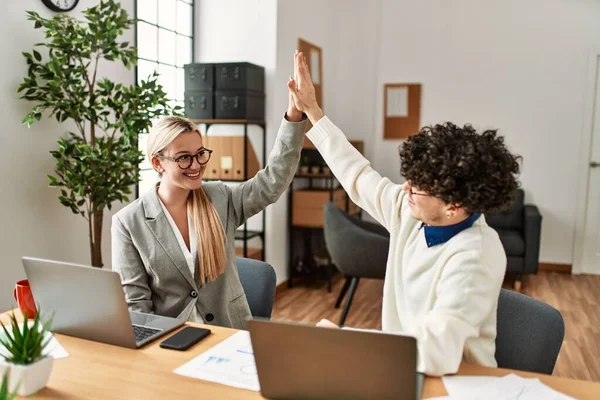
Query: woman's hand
point(292, 114)
point(302, 90)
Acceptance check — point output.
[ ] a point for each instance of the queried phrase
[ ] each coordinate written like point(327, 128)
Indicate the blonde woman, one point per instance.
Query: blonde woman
point(174, 246)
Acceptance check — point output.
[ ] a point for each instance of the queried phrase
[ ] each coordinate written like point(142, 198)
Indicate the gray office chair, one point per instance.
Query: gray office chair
point(358, 248)
point(258, 280)
point(530, 333)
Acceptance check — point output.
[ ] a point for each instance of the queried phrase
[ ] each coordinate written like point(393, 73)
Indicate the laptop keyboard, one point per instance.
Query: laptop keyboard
point(142, 332)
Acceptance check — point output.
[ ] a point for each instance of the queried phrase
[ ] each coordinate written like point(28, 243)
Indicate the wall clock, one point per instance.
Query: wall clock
point(60, 5)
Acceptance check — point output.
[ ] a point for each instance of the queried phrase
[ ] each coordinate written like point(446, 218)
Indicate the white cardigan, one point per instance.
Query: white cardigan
point(445, 295)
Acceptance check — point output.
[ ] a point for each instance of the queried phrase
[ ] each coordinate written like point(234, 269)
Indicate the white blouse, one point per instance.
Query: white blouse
point(190, 255)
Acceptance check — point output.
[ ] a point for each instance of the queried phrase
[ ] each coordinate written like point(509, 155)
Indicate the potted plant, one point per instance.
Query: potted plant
point(27, 368)
point(304, 165)
point(97, 160)
point(4, 392)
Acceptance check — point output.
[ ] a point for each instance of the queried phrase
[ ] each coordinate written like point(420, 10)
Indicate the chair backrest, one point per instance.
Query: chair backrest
point(355, 249)
point(530, 333)
point(258, 280)
point(512, 217)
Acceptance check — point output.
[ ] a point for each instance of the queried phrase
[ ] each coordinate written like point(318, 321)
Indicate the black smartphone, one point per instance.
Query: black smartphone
point(185, 338)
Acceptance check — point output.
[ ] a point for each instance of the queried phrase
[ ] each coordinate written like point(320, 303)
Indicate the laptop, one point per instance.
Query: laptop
point(307, 362)
point(89, 303)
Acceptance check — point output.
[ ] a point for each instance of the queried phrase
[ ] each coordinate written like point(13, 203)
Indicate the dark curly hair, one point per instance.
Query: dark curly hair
point(460, 166)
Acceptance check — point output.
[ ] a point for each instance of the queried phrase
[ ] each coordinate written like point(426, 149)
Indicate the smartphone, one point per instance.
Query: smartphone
point(185, 338)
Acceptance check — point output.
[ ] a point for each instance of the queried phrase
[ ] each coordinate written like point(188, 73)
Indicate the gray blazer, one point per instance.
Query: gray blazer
point(153, 270)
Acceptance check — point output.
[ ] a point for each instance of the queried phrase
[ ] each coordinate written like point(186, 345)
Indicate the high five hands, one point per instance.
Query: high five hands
point(302, 90)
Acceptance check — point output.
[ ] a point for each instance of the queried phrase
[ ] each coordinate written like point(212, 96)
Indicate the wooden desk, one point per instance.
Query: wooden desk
point(99, 371)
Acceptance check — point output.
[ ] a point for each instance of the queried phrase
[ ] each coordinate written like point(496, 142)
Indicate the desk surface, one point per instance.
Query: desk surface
point(99, 371)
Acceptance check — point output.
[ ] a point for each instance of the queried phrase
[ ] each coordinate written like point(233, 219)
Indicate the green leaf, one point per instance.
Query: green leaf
point(9, 338)
point(37, 55)
point(24, 343)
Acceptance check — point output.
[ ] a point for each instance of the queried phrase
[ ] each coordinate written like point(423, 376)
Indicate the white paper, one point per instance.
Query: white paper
point(226, 162)
point(230, 362)
point(315, 71)
point(54, 348)
point(508, 387)
point(397, 102)
point(461, 386)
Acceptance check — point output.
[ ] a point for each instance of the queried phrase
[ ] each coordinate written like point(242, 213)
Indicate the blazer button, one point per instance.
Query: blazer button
point(194, 294)
point(209, 317)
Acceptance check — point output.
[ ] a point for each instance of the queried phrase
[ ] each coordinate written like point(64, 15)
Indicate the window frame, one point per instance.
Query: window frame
point(156, 24)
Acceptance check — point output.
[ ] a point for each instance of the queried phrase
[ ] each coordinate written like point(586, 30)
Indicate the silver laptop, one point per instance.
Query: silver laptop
point(305, 362)
point(89, 303)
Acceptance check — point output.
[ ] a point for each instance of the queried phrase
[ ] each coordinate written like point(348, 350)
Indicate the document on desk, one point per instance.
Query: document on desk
point(53, 349)
point(509, 387)
point(230, 362)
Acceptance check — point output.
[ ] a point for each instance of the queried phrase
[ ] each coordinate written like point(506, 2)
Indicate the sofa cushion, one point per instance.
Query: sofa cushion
point(512, 217)
point(512, 241)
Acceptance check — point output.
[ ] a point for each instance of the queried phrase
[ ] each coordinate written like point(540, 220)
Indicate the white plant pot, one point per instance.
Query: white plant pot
point(27, 379)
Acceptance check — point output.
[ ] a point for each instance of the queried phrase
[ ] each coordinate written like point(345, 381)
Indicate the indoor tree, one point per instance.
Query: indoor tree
point(97, 160)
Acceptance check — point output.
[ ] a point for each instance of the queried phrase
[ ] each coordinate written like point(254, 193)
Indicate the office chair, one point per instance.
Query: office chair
point(520, 230)
point(358, 248)
point(529, 333)
point(258, 280)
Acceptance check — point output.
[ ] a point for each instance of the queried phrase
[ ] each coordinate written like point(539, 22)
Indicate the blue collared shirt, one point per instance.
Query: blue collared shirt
point(435, 235)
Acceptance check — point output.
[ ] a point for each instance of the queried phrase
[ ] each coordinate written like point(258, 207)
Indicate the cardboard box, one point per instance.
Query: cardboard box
point(308, 206)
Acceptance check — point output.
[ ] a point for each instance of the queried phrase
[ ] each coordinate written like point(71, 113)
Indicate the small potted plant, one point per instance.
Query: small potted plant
point(304, 165)
point(23, 358)
point(5, 394)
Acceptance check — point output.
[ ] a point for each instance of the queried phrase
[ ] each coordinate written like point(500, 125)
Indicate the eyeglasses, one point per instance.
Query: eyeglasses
point(185, 161)
point(412, 193)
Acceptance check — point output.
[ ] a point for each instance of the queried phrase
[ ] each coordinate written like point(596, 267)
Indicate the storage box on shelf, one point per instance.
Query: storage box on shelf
point(309, 205)
point(225, 91)
point(199, 103)
point(240, 76)
point(239, 104)
point(230, 163)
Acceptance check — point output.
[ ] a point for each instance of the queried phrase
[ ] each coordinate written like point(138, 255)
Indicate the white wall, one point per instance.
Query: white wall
point(519, 66)
point(345, 30)
point(33, 222)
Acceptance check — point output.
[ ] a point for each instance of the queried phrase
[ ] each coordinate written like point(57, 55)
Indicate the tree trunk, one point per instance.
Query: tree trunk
point(96, 237)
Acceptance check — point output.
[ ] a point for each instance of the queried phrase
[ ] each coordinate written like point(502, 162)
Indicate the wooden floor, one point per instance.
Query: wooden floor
point(577, 297)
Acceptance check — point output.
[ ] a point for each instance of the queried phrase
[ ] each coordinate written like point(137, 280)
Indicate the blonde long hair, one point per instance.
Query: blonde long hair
point(207, 224)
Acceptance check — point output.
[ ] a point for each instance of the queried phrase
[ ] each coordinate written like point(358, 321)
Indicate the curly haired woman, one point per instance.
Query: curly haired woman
point(445, 264)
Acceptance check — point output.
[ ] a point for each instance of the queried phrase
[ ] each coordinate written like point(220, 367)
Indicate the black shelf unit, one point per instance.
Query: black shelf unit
point(244, 235)
point(308, 232)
